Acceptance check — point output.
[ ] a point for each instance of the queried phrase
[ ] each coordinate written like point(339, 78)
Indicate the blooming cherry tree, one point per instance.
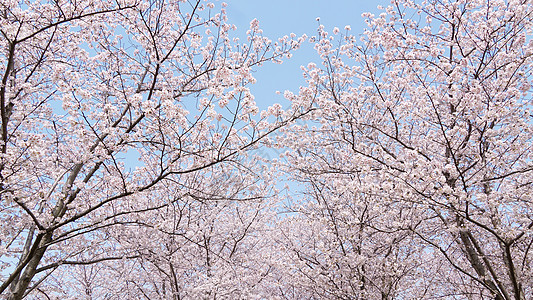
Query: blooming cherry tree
point(125, 127)
point(129, 138)
point(417, 158)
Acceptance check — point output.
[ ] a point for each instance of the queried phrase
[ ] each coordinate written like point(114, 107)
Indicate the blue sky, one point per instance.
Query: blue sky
point(282, 17)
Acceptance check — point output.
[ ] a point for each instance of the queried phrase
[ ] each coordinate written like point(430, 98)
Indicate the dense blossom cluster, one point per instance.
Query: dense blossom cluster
point(129, 146)
point(417, 159)
point(126, 127)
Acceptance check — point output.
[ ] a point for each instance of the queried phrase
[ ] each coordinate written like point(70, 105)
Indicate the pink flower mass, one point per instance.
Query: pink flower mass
point(136, 161)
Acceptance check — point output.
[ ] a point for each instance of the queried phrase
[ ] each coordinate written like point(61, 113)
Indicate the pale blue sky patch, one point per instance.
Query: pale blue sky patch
point(283, 17)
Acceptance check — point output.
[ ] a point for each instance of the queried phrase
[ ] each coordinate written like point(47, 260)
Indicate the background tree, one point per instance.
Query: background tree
point(125, 127)
point(417, 159)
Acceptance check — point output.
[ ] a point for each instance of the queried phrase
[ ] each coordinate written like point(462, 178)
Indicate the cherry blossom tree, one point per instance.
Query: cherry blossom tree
point(198, 247)
point(125, 137)
point(416, 162)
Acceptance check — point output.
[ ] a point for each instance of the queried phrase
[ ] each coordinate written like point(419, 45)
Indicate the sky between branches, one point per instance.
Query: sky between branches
point(282, 17)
